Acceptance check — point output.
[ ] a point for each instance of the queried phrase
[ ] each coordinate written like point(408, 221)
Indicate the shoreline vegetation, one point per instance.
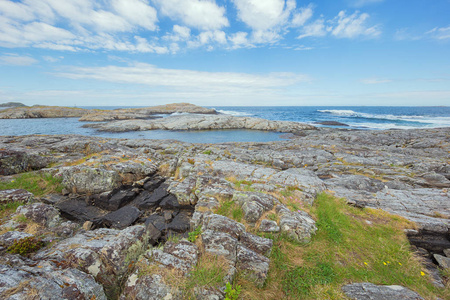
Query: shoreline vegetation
point(327, 214)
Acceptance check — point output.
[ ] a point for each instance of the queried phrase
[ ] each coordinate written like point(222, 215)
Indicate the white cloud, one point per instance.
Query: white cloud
point(239, 40)
point(314, 29)
point(353, 26)
point(304, 14)
point(52, 59)
point(264, 15)
point(185, 80)
point(342, 26)
point(440, 33)
point(17, 60)
point(360, 3)
point(137, 12)
point(375, 80)
point(205, 15)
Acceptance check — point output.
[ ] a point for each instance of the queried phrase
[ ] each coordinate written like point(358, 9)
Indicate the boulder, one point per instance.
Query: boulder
point(14, 162)
point(370, 291)
point(121, 218)
point(253, 265)
point(87, 180)
point(15, 195)
point(297, 225)
point(269, 226)
point(40, 213)
point(443, 262)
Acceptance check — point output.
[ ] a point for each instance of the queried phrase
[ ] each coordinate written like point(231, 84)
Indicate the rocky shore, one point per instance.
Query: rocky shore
point(134, 217)
point(96, 115)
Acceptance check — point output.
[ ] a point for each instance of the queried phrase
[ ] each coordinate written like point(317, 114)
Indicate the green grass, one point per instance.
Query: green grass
point(231, 210)
point(345, 249)
point(38, 184)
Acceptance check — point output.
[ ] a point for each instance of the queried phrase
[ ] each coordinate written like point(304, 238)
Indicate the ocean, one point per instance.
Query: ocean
point(357, 117)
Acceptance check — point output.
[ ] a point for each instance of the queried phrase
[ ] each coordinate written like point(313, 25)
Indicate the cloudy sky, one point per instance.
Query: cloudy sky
point(217, 52)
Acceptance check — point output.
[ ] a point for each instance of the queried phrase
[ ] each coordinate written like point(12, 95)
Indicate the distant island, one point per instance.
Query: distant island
point(12, 104)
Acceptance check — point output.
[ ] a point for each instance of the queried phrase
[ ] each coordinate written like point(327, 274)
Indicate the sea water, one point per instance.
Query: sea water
point(359, 117)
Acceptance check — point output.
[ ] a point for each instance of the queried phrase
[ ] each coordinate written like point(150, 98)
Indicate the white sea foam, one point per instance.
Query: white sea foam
point(234, 113)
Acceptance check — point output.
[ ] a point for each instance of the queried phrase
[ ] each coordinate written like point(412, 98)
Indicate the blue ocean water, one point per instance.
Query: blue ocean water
point(358, 117)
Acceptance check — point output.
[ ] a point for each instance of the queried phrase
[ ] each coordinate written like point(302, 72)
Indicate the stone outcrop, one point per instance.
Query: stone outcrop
point(202, 122)
point(138, 199)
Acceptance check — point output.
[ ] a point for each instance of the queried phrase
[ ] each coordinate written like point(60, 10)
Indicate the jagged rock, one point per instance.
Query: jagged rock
point(25, 279)
point(103, 253)
point(78, 210)
point(89, 180)
point(436, 180)
point(13, 162)
point(443, 262)
point(369, 291)
point(147, 200)
point(269, 226)
point(257, 244)
point(157, 221)
point(40, 213)
point(117, 200)
point(180, 223)
point(447, 252)
point(297, 225)
point(252, 264)
point(220, 243)
point(8, 238)
point(184, 190)
point(15, 195)
point(154, 182)
point(121, 218)
point(147, 287)
point(170, 202)
point(254, 204)
point(223, 224)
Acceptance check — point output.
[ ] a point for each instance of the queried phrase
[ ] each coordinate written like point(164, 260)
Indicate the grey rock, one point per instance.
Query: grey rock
point(103, 253)
point(220, 243)
point(447, 252)
point(14, 162)
point(444, 262)
point(148, 287)
point(40, 213)
point(369, 291)
point(15, 195)
point(257, 244)
point(297, 225)
point(223, 224)
point(8, 238)
point(89, 180)
point(252, 264)
point(269, 226)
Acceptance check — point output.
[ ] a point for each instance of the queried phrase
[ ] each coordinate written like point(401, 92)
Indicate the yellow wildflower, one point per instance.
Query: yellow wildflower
point(422, 273)
point(384, 263)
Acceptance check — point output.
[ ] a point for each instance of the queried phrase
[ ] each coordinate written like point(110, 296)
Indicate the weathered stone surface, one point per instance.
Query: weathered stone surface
point(148, 287)
point(369, 291)
point(204, 122)
point(15, 195)
point(184, 190)
point(269, 226)
point(13, 162)
point(297, 225)
point(220, 243)
point(254, 265)
point(40, 111)
point(223, 224)
point(40, 213)
point(257, 244)
point(103, 253)
point(21, 279)
point(121, 218)
point(89, 180)
point(447, 252)
point(8, 238)
point(443, 262)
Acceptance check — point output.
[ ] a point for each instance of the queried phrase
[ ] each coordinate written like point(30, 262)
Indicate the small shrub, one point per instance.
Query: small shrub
point(193, 235)
point(232, 293)
point(26, 246)
point(207, 152)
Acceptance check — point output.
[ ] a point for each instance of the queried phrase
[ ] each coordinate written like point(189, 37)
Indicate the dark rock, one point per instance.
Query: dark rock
point(121, 218)
point(153, 183)
point(170, 202)
point(148, 200)
point(153, 233)
point(331, 123)
point(181, 222)
point(15, 195)
point(78, 210)
point(158, 221)
point(370, 291)
point(117, 200)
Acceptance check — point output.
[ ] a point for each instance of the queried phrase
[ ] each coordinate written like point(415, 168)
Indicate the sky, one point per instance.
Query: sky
point(225, 53)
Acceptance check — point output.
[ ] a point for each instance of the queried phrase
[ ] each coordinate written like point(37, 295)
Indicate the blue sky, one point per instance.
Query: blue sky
point(215, 52)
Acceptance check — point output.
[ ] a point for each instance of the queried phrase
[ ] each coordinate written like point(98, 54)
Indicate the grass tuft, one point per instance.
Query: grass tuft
point(36, 183)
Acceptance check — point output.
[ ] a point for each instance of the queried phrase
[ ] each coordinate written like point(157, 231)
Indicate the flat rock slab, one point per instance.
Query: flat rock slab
point(15, 195)
point(370, 291)
point(122, 217)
